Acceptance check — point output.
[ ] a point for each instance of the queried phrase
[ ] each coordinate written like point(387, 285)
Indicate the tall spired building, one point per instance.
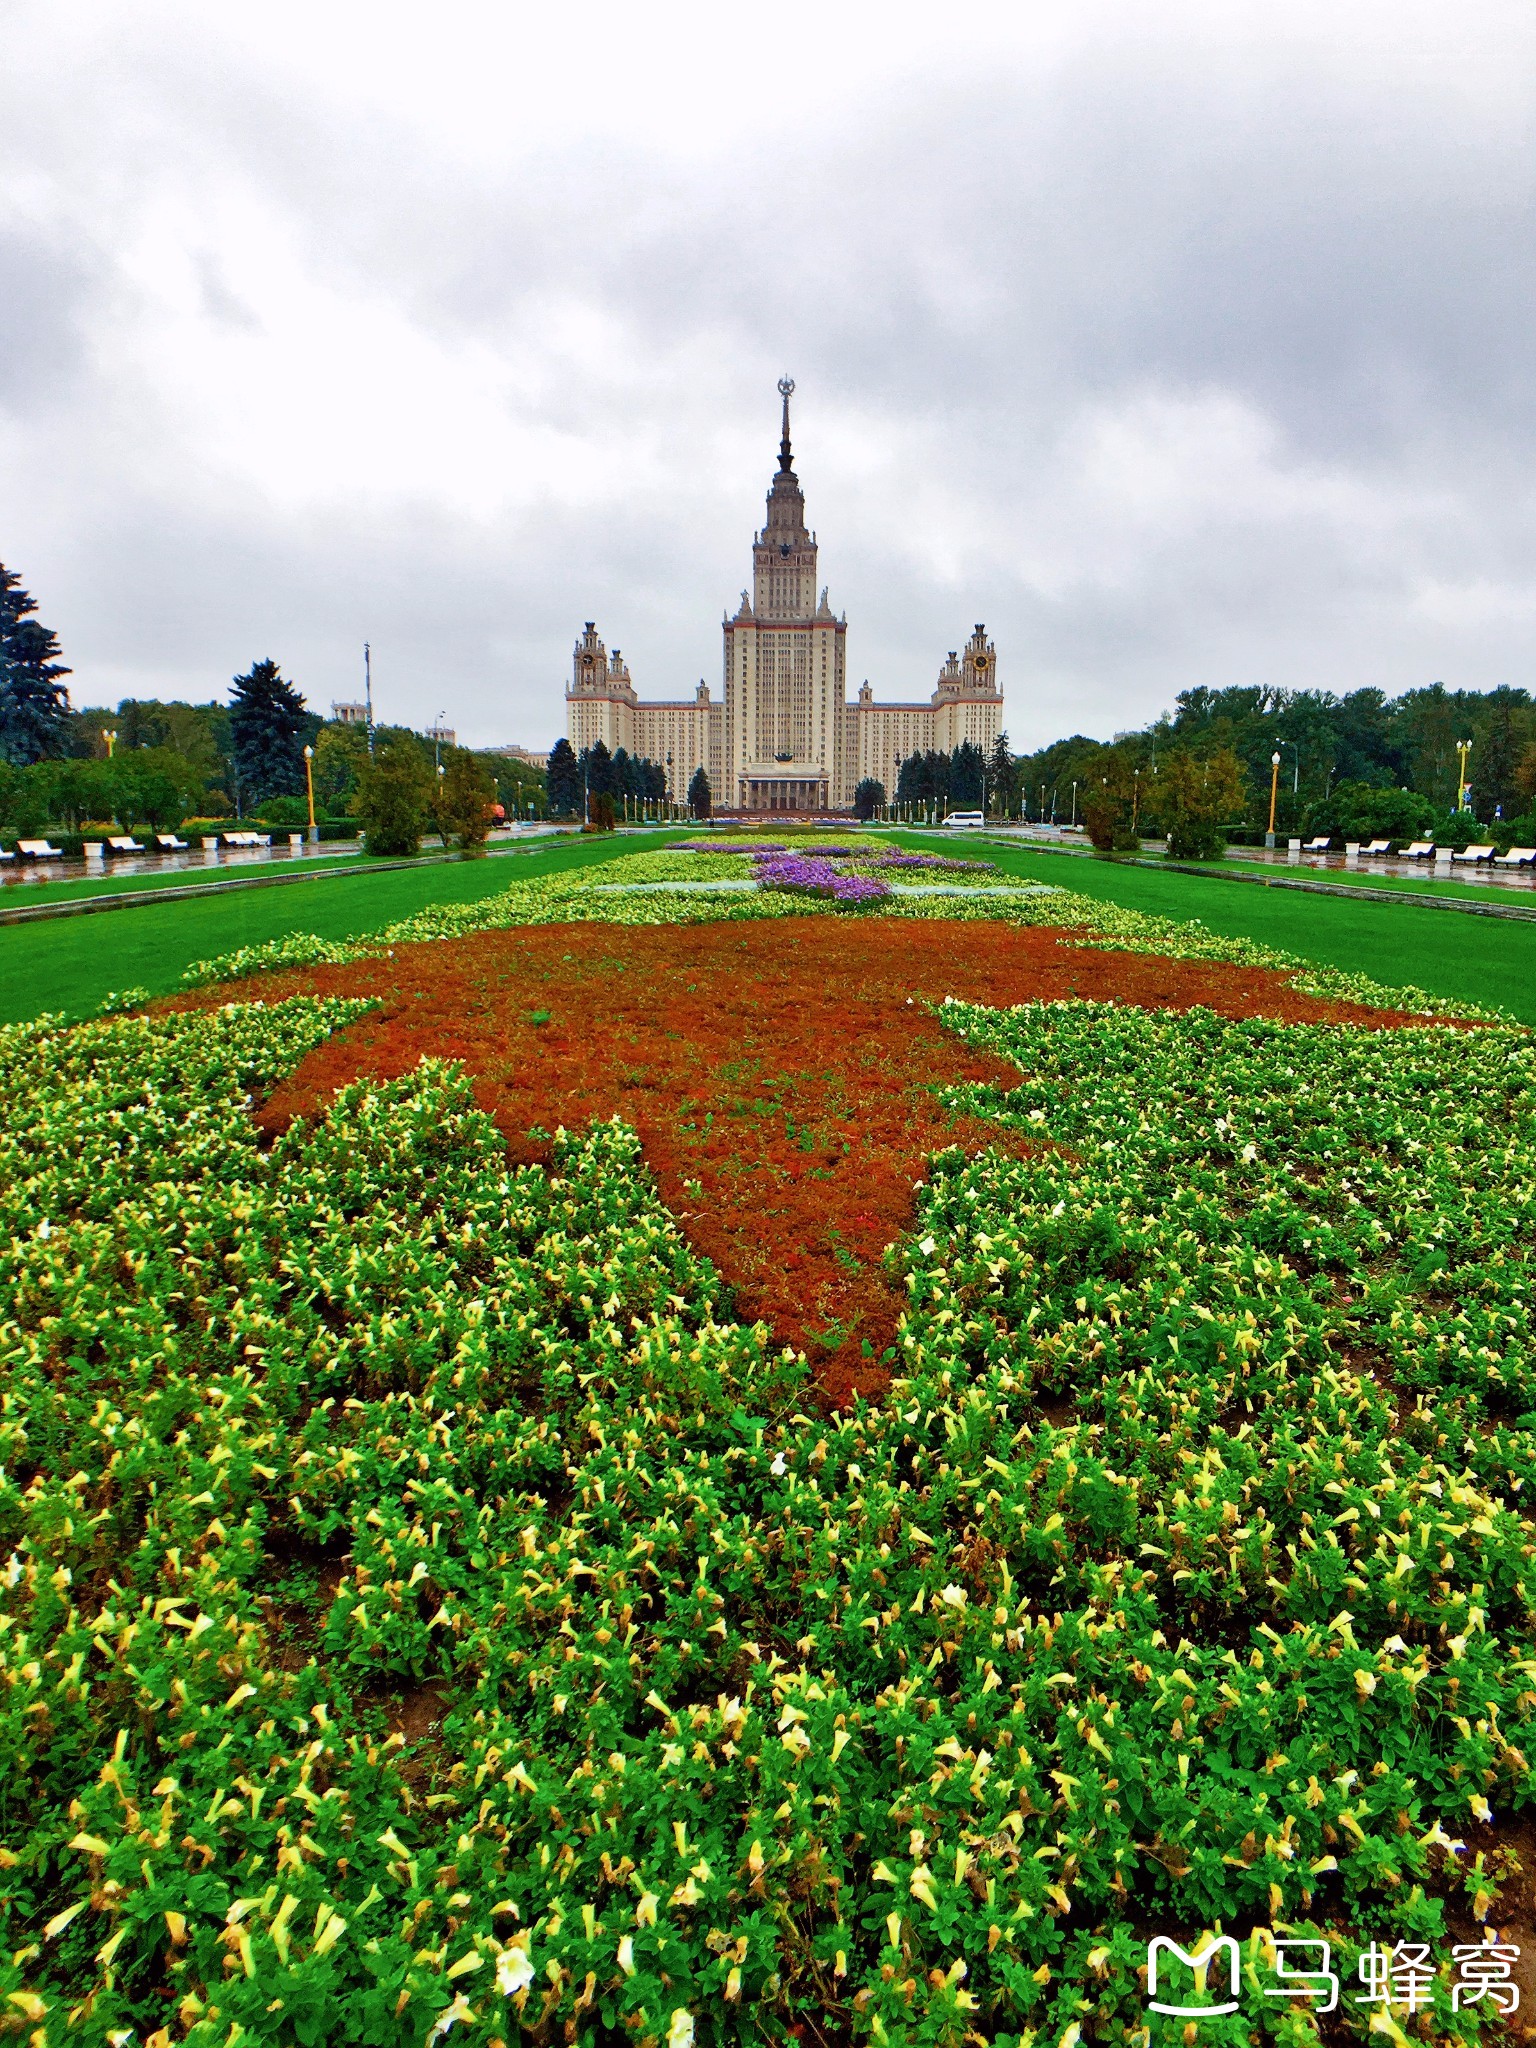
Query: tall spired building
point(783, 736)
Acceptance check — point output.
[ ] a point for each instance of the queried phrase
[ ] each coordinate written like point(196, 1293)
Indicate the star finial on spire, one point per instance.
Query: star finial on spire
point(786, 387)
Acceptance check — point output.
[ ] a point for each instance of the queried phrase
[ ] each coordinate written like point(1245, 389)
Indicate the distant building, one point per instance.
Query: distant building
point(526, 755)
point(350, 714)
point(783, 736)
point(442, 735)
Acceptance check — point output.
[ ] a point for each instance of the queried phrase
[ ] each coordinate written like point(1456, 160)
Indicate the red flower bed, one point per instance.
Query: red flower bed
point(780, 1075)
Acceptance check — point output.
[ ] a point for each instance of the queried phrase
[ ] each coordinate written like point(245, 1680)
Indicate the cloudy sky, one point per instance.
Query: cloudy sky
point(1186, 344)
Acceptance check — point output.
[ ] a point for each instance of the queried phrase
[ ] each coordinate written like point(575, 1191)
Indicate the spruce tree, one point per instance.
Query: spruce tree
point(34, 704)
point(564, 778)
point(966, 768)
point(267, 721)
point(700, 797)
point(868, 798)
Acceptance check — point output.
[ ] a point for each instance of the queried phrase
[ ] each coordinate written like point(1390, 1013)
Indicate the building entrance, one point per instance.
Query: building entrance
point(782, 793)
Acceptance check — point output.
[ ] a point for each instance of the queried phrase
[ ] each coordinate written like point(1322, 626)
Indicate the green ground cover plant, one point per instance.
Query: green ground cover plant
point(426, 1614)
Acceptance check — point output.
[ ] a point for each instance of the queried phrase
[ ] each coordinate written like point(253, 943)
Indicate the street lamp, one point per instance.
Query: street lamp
point(1274, 789)
point(111, 740)
point(1074, 807)
point(1463, 748)
point(309, 784)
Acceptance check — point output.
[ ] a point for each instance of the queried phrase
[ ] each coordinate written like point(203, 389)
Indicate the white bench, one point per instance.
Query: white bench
point(1421, 849)
point(1376, 846)
point(247, 838)
point(169, 843)
point(124, 844)
point(38, 849)
point(1474, 854)
point(1319, 845)
point(1517, 857)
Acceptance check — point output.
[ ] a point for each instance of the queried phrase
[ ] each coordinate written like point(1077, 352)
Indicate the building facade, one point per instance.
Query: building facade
point(783, 735)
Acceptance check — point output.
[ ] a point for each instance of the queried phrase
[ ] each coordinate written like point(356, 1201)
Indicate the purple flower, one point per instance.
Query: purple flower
point(810, 875)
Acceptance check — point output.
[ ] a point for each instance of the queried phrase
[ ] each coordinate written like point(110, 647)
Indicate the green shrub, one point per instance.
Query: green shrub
point(394, 795)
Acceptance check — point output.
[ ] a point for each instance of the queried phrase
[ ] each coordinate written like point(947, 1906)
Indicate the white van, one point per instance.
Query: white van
point(975, 819)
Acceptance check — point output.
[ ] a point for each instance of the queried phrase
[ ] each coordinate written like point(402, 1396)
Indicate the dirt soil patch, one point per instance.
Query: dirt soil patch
point(781, 1075)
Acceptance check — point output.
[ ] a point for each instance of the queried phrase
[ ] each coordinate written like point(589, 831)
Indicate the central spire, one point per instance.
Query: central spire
point(786, 460)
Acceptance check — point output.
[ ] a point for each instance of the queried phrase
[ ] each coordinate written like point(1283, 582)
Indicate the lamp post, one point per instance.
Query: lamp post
point(442, 829)
point(111, 740)
point(1274, 790)
point(437, 742)
point(1463, 748)
point(309, 785)
point(1074, 807)
point(1135, 800)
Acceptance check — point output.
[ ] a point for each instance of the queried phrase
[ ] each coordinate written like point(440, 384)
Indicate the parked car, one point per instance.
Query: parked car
point(975, 819)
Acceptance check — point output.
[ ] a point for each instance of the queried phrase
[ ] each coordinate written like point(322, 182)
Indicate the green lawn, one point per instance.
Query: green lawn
point(1490, 960)
point(70, 963)
point(1364, 877)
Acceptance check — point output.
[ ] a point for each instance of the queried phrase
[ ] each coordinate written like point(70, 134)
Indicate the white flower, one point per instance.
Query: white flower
point(45, 1228)
point(1250, 1153)
point(777, 1468)
point(461, 2009)
point(680, 2033)
point(514, 1971)
point(627, 1955)
point(926, 1246)
point(953, 1596)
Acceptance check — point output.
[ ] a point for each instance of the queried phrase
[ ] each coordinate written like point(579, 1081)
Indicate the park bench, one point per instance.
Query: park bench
point(247, 838)
point(1517, 857)
point(1474, 854)
point(38, 849)
point(1421, 849)
point(125, 844)
point(1377, 846)
point(1320, 844)
point(169, 843)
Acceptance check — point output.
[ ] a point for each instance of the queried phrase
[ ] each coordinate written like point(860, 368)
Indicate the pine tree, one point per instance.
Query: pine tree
point(700, 797)
point(868, 798)
point(564, 775)
point(268, 724)
point(34, 704)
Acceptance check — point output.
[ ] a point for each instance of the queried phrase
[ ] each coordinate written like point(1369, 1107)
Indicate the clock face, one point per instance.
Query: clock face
point(980, 662)
point(784, 547)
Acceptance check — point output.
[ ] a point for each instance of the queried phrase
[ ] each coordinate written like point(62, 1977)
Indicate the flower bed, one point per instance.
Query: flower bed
point(810, 875)
point(429, 1615)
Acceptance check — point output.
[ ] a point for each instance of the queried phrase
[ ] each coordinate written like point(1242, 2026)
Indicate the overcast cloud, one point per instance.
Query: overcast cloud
point(1181, 345)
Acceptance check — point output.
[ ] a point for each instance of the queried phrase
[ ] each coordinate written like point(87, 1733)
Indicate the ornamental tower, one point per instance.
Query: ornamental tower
point(785, 717)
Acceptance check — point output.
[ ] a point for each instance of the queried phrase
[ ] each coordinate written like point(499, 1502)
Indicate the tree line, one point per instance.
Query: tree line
point(153, 764)
point(1362, 765)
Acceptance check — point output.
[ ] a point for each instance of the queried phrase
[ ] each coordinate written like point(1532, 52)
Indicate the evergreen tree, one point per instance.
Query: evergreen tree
point(34, 704)
point(700, 797)
point(564, 780)
point(598, 763)
point(268, 723)
point(1494, 766)
point(868, 798)
point(967, 767)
